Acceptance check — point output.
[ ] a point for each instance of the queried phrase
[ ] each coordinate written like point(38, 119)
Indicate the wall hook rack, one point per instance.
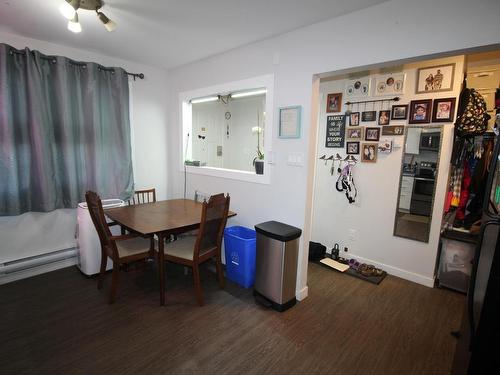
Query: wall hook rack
point(395, 99)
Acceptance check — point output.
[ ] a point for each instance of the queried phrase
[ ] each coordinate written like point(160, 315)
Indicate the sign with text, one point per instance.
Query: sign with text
point(335, 131)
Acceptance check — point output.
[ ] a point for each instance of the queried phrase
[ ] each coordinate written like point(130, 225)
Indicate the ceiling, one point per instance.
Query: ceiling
point(169, 33)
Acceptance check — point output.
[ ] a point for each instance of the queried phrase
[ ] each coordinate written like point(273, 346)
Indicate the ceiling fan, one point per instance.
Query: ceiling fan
point(70, 8)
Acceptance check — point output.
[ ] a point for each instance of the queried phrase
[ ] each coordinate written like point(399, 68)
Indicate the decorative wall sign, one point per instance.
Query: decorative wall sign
point(352, 148)
point(443, 110)
point(369, 152)
point(399, 112)
point(335, 131)
point(435, 78)
point(390, 84)
point(289, 126)
point(420, 111)
point(393, 130)
point(368, 116)
point(355, 133)
point(358, 87)
point(334, 102)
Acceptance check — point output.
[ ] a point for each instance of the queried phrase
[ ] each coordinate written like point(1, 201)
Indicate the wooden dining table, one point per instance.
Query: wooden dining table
point(163, 219)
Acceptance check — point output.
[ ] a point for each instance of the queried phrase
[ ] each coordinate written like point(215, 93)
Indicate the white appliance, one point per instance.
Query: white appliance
point(88, 244)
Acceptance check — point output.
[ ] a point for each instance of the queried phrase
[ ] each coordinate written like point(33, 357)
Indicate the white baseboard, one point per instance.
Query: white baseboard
point(407, 275)
point(23, 274)
point(302, 294)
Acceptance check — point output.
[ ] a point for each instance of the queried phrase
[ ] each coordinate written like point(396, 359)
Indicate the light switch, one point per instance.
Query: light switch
point(296, 159)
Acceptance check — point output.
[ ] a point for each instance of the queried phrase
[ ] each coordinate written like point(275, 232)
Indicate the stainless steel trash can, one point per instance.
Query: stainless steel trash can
point(276, 264)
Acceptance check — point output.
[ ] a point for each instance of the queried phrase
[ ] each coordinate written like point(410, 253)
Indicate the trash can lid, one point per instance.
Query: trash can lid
point(278, 231)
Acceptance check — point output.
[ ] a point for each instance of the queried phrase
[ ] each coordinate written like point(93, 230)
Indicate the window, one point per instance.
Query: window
point(227, 127)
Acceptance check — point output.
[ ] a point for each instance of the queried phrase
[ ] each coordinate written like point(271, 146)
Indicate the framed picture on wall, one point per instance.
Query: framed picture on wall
point(354, 119)
point(334, 102)
point(289, 126)
point(399, 112)
point(389, 84)
point(355, 133)
point(372, 134)
point(385, 146)
point(420, 111)
point(352, 148)
point(383, 117)
point(443, 110)
point(369, 152)
point(357, 87)
point(435, 78)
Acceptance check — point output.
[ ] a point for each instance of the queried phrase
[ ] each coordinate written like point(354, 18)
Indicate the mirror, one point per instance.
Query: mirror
point(417, 184)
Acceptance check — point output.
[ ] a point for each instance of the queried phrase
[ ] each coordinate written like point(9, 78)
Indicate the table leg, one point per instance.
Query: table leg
point(161, 267)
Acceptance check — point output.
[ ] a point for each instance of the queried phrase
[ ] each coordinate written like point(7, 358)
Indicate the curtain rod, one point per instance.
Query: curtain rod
point(76, 63)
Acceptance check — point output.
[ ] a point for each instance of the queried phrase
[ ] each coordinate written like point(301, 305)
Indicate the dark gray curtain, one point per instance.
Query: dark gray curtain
point(64, 129)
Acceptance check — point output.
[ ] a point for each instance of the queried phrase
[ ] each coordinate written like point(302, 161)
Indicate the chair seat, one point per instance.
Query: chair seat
point(182, 248)
point(133, 246)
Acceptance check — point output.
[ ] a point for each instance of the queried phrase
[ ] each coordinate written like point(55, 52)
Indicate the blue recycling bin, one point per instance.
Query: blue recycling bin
point(239, 245)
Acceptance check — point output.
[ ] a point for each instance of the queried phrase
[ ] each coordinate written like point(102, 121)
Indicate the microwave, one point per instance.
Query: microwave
point(430, 141)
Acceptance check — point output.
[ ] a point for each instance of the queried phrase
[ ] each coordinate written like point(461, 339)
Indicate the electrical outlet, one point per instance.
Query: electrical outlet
point(352, 235)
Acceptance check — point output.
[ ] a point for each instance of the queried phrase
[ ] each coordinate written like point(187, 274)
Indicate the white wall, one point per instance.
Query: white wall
point(390, 31)
point(372, 215)
point(37, 233)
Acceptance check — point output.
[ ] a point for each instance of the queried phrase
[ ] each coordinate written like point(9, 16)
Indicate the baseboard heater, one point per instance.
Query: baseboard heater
point(31, 266)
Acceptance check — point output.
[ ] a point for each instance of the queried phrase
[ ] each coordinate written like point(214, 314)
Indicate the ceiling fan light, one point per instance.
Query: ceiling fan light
point(68, 8)
point(74, 25)
point(108, 24)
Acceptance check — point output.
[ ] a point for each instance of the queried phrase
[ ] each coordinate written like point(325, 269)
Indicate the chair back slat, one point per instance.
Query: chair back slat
point(143, 196)
point(213, 221)
point(96, 212)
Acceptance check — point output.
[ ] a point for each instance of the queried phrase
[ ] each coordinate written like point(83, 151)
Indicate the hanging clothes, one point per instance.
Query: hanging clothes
point(456, 185)
point(478, 185)
point(464, 194)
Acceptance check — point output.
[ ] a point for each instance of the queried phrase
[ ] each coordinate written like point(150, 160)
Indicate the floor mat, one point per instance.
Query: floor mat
point(371, 279)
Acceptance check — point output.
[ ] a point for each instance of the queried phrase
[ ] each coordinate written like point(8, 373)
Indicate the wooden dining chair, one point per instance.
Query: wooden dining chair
point(191, 251)
point(199, 197)
point(143, 196)
point(121, 249)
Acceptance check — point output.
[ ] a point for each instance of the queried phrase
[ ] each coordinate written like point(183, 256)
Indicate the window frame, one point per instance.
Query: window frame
point(185, 110)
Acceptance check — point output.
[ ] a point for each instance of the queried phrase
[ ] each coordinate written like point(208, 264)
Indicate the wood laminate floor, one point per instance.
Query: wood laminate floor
point(58, 323)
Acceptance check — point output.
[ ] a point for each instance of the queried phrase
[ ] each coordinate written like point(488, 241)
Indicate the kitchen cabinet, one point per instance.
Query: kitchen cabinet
point(405, 193)
point(413, 141)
